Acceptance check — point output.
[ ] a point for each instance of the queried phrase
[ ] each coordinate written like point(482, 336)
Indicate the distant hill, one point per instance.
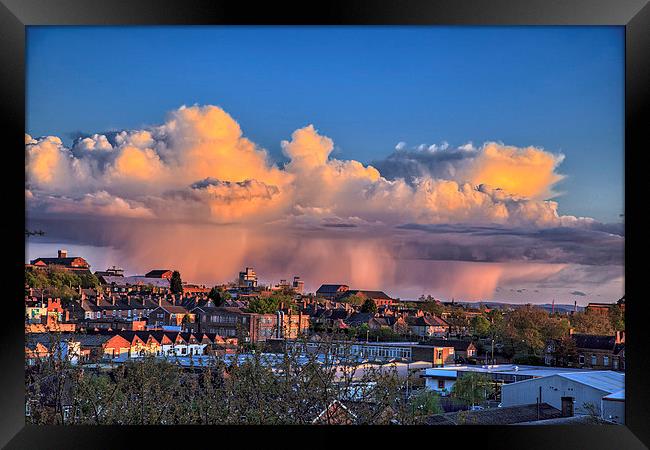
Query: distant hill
point(505, 305)
point(501, 305)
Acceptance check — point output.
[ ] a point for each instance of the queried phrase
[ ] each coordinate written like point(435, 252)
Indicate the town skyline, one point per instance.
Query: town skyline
point(579, 298)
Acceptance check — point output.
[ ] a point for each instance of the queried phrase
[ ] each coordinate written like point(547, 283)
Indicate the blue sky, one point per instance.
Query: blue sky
point(560, 88)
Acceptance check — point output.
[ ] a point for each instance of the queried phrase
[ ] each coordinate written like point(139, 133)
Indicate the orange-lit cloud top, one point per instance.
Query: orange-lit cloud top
point(527, 172)
point(198, 166)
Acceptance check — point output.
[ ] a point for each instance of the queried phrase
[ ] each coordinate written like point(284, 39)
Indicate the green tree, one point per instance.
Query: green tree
point(215, 296)
point(529, 328)
point(431, 306)
point(565, 351)
point(175, 283)
point(592, 322)
point(89, 281)
point(426, 403)
point(270, 304)
point(480, 325)
point(472, 388)
point(457, 320)
point(369, 306)
point(383, 334)
point(58, 282)
point(617, 318)
point(355, 299)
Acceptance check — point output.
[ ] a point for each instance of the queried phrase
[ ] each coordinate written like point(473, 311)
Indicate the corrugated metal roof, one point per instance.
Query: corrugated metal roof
point(605, 380)
point(618, 395)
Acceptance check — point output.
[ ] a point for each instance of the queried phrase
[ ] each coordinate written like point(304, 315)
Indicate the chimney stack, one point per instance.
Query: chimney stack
point(113, 298)
point(97, 300)
point(620, 337)
point(159, 301)
point(567, 406)
point(63, 253)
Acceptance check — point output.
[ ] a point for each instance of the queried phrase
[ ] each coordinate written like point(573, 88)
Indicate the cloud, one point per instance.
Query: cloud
point(580, 293)
point(198, 175)
point(501, 244)
point(525, 172)
point(96, 204)
point(159, 168)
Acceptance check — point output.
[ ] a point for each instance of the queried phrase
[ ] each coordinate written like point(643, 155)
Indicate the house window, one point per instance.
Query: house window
point(581, 359)
point(66, 413)
point(441, 384)
point(594, 360)
point(615, 363)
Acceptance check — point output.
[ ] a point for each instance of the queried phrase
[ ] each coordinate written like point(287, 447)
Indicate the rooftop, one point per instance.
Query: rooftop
point(497, 416)
point(330, 288)
point(618, 395)
point(512, 369)
point(604, 380)
point(136, 280)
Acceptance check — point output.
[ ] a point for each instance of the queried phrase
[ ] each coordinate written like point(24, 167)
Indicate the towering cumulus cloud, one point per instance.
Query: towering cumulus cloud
point(199, 170)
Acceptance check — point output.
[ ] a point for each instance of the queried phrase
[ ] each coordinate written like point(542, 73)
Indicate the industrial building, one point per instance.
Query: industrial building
point(590, 392)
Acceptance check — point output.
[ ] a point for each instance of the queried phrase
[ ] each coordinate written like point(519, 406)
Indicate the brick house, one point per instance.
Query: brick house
point(462, 349)
point(171, 315)
point(233, 322)
point(160, 273)
point(293, 324)
point(119, 307)
point(63, 261)
point(395, 323)
point(600, 352)
point(599, 308)
point(438, 355)
point(331, 291)
point(593, 351)
point(427, 326)
point(379, 297)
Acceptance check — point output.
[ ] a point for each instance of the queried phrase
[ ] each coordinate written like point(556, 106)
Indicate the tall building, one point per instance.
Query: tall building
point(248, 278)
point(298, 285)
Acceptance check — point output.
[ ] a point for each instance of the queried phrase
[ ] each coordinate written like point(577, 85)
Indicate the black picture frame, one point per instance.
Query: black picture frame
point(15, 15)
